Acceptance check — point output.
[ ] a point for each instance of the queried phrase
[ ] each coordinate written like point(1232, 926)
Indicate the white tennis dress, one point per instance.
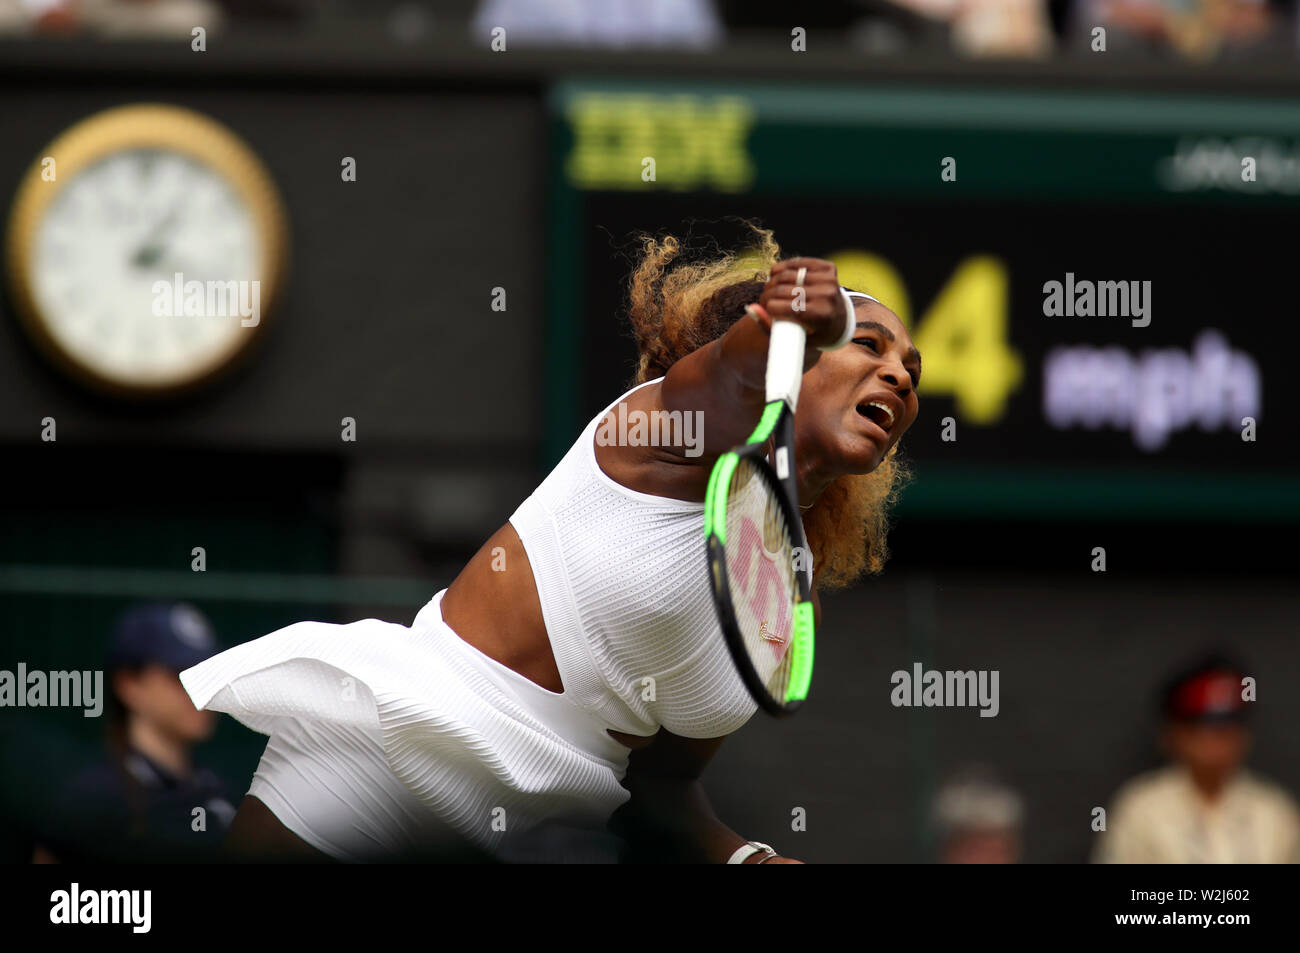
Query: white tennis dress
point(385, 738)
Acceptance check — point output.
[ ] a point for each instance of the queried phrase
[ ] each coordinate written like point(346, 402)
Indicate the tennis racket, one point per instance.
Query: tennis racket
point(760, 566)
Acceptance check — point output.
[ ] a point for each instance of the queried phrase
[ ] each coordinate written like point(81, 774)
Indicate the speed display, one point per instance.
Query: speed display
point(1098, 284)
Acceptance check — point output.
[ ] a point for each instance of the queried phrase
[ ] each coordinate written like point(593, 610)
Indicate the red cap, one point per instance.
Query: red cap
point(1207, 695)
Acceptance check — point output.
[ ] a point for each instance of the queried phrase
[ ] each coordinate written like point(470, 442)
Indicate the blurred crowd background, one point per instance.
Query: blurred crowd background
point(480, 173)
point(1192, 29)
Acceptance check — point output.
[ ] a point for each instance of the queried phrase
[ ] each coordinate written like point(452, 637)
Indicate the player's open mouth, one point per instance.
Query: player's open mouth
point(878, 413)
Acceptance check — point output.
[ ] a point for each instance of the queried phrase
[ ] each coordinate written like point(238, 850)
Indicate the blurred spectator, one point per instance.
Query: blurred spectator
point(1192, 29)
point(139, 801)
point(609, 23)
point(977, 819)
point(137, 19)
point(114, 18)
point(991, 27)
point(974, 27)
point(36, 16)
point(1205, 807)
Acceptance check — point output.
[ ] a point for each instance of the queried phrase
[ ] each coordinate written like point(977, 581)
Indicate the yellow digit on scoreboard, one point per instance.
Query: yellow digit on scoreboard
point(963, 340)
point(865, 271)
point(963, 334)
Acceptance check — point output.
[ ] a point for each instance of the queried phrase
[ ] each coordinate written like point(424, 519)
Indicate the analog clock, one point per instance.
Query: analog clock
point(146, 249)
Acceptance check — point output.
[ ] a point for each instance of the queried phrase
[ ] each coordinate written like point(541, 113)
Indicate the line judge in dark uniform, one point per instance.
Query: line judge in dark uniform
point(145, 799)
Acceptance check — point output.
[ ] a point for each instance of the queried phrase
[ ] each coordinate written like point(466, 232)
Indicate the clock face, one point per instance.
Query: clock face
point(107, 254)
point(145, 248)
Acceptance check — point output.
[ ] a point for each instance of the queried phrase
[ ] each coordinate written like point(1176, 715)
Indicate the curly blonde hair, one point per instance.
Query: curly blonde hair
point(677, 307)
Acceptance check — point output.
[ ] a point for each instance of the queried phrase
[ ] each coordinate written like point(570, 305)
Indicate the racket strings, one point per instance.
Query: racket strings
point(761, 575)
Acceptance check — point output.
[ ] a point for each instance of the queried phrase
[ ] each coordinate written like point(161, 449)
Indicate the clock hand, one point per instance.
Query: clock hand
point(148, 254)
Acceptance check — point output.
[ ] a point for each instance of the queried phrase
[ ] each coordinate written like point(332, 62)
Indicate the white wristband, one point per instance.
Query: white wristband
point(850, 323)
point(749, 849)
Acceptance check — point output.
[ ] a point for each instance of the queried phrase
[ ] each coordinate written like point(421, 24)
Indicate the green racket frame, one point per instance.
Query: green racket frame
point(778, 421)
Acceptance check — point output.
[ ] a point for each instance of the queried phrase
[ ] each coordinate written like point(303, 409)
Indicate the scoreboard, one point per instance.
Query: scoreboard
point(1100, 284)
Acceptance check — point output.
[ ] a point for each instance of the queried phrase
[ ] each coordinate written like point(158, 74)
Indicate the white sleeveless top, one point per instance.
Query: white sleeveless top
point(384, 735)
point(623, 582)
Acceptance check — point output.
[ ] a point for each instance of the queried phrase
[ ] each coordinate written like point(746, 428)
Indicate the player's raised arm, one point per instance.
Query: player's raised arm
point(725, 378)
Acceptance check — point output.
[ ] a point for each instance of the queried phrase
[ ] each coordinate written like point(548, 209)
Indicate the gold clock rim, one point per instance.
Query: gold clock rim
point(144, 126)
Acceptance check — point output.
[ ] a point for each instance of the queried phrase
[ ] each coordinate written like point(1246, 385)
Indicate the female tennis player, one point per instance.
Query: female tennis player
point(575, 666)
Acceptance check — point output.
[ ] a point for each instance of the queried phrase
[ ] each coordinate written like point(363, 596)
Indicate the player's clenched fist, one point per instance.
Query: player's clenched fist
point(816, 304)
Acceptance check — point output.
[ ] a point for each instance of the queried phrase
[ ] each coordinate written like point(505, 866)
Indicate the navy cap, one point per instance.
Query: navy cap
point(173, 634)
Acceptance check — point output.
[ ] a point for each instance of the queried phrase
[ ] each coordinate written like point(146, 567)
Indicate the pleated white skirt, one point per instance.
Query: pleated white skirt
point(385, 737)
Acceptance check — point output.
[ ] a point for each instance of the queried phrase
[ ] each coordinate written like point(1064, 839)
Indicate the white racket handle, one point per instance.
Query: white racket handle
point(785, 362)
